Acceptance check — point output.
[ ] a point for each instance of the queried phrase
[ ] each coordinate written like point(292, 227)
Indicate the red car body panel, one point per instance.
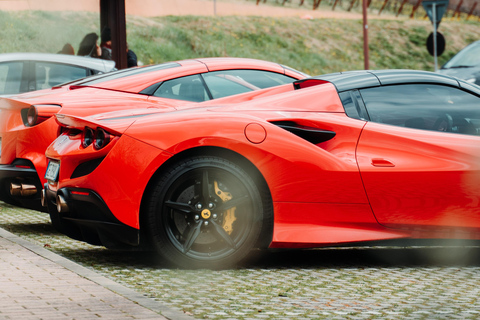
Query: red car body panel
point(120, 93)
point(437, 176)
point(344, 196)
point(366, 182)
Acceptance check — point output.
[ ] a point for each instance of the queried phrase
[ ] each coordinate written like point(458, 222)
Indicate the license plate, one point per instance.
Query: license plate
point(52, 170)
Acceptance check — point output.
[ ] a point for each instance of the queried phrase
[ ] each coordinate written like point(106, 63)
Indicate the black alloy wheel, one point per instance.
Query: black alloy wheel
point(206, 212)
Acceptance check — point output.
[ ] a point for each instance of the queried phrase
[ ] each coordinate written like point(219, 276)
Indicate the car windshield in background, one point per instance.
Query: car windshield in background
point(468, 57)
point(91, 81)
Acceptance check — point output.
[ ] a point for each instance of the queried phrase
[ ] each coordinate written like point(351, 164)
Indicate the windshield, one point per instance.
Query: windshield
point(468, 57)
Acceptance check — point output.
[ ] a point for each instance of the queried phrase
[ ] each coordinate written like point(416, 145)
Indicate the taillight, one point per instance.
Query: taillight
point(88, 136)
point(32, 116)
point(37, 114)
point(102, 138)
point(99, 138)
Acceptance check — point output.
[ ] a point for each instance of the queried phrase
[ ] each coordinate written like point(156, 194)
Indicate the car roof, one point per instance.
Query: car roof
point(88, 62)
point(350, 80)
point(136, 79)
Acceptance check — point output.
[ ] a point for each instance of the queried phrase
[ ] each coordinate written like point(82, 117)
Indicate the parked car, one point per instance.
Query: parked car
point(465, 64)
point(345, 158)
point(23, 72)
point(27, 126)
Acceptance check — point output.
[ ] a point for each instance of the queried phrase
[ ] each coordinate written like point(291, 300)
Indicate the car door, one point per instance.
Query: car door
point(419, 156)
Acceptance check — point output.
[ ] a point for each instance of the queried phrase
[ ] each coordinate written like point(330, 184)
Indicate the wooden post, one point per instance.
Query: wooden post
point(383, 6)
point(414, 9)
point(351, 5)
point(471, 10)
point(457, 9)
point(112, 15)
point(335, 4)
point(365, 35)
point(401, 7)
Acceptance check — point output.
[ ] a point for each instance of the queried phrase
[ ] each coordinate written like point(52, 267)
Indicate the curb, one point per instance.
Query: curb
point(111, 285)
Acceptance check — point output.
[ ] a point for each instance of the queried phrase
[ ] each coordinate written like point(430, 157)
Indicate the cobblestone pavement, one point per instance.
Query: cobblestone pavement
point(346, 283)
point(34, 287)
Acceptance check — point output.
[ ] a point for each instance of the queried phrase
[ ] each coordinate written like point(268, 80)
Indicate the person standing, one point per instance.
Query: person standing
point(89, 47)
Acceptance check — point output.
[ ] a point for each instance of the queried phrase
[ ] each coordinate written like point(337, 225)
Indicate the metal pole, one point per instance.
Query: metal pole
point(434, 14)
point(214, 7)
point(365, 35)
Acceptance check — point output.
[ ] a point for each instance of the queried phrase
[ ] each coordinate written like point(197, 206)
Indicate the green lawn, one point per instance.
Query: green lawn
point(313, 46)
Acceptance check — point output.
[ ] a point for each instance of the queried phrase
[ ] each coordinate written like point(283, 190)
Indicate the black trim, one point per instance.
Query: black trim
point(89, 219)
point(151, 90)
point(313, 135)
point(350, 80)
point(10, 173)
point(86, 168)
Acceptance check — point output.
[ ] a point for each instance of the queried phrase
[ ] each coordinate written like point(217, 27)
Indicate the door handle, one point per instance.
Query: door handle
point(378, 162)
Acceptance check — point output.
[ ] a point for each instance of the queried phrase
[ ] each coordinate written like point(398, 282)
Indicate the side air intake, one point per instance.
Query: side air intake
point(313, 135)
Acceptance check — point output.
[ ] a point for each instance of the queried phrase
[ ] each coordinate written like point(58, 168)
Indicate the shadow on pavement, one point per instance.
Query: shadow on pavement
point(454, 254)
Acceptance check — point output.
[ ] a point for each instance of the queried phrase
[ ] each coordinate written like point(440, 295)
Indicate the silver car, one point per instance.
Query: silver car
point(23, 72)
point(465, 64)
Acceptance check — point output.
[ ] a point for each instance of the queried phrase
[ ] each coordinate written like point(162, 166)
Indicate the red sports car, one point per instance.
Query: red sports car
point(27, 126)
point(338, 159)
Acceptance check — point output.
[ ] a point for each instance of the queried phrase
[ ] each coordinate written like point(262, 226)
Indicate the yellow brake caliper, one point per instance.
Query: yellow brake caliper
point(229, 215)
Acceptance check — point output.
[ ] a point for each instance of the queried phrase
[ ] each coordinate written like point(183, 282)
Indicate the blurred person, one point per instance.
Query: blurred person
point(67, 49)
point(106, 44)
point(89, 47)
point(131, 58)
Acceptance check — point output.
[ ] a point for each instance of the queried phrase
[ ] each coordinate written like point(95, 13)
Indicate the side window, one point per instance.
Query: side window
point(49, 74)
point(11, 77)
point(353, 104)
point(424, 106)
point(229, 82)
point(188, 88)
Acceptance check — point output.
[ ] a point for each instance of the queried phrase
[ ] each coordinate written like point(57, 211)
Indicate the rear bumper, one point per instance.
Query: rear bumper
point(88, 218)
point(27, 176)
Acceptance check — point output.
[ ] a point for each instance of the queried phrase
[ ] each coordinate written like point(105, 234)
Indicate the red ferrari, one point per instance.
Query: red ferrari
point(344, 158)
point(27, 126)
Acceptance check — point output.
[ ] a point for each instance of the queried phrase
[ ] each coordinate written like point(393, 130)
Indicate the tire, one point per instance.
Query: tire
point(205, 212)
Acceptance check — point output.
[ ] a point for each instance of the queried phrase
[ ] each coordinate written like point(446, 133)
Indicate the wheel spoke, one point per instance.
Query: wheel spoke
point(232, 203)
point(192, 236)
point(205, 188)
point(224, 235)
point(183, 207)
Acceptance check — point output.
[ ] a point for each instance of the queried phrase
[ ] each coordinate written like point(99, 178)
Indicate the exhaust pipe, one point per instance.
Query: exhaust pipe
point(28, 190)
point(61, 204)
point(43, 198)
point(22, 189)
point(15, 189)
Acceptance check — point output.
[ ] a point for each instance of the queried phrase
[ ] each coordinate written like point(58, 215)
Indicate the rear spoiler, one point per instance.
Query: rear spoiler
point(305, 83)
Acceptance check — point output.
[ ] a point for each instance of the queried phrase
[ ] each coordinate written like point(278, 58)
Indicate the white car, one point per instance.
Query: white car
point(23, 72)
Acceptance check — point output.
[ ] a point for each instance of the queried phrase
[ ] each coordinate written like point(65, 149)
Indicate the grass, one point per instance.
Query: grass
point(313, 46)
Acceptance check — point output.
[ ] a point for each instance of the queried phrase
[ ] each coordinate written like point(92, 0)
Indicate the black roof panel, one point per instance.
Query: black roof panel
point(388, 77)
point(344, 81)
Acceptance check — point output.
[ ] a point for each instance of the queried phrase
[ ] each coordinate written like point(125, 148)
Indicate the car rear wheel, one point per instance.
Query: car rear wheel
point(205, 212)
